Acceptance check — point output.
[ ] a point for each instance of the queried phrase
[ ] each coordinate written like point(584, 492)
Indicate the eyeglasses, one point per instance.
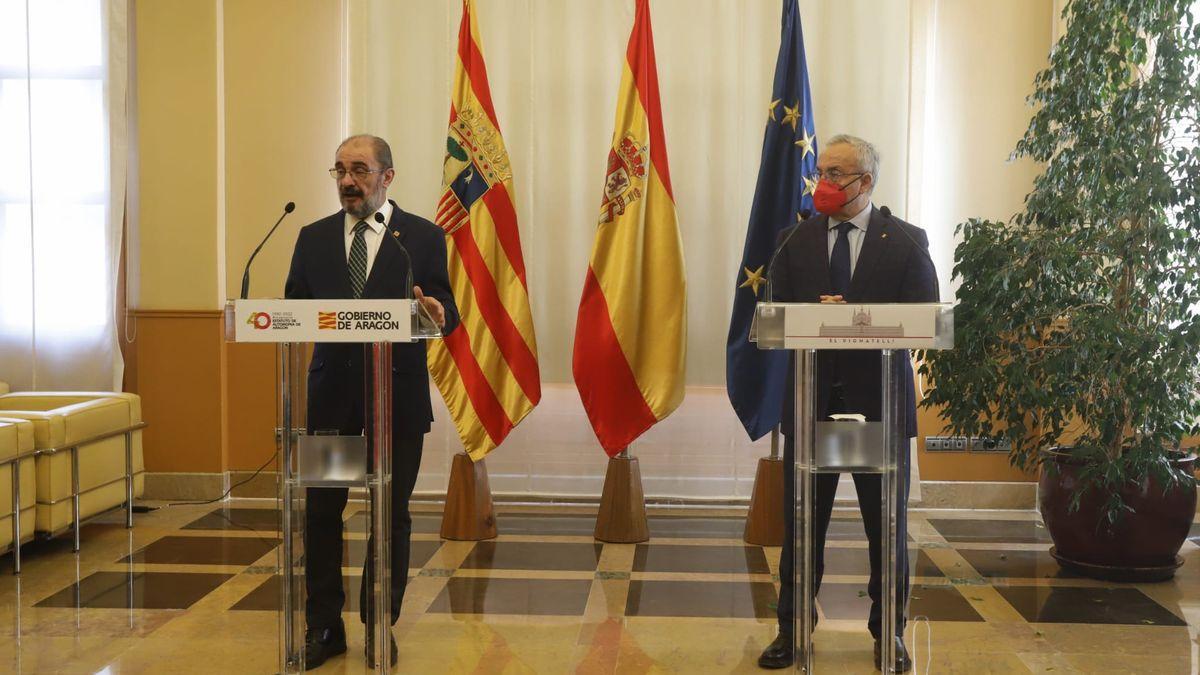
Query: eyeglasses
point(836, 175)
point(358, 172)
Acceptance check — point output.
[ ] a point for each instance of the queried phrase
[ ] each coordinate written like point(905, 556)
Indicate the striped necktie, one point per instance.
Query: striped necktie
point(358, 260)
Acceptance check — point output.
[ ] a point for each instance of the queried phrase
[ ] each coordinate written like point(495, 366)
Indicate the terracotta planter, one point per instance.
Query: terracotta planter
point(1142, 546)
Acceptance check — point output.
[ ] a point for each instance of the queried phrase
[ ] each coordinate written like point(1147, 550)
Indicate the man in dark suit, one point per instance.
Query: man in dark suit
point(344, 256)
point(852, 253)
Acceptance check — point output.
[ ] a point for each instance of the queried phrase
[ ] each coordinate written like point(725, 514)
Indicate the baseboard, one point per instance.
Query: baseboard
point(934, 494)
point(948, 494)
point(183, 486)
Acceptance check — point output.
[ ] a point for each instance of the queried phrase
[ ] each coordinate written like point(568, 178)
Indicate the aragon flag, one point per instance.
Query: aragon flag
point(631, 332)
point(487, 370)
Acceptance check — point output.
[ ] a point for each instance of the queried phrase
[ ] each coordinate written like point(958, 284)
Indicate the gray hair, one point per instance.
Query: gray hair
point(383, 151)
point(868, 156)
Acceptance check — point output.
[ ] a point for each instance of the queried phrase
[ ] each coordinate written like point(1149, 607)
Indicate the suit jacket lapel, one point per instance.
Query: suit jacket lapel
point(387, 255)
point(335, 250)
point(868, 256)
point(817, 245)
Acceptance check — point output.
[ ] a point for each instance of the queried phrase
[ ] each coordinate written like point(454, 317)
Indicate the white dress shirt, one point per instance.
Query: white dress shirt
point(372, 236)
point(856, 235)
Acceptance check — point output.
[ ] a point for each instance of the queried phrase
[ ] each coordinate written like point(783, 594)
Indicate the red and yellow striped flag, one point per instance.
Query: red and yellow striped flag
point(487, 370)
point(631, 334)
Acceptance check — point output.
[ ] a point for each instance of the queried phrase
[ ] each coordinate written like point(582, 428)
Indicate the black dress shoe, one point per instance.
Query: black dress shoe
point(903, 663)
point(370, 648)
point(322, 643)
point(779, 654)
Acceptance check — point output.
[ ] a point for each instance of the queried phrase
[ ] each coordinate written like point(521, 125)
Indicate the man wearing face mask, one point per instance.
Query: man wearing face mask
point(851, 252)
point(344, 256)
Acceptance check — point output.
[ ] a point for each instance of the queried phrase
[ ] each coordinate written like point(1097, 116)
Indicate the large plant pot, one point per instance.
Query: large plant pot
point(1142, 546)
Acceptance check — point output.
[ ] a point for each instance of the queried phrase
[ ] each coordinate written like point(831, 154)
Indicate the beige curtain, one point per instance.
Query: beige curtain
point(554, 68)
point(62, 185)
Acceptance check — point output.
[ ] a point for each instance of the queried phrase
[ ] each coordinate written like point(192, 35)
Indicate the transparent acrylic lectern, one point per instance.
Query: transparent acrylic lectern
point(309, 458)
point(852, 445)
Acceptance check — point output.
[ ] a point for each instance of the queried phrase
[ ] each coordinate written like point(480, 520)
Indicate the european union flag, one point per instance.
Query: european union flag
point(756, 379)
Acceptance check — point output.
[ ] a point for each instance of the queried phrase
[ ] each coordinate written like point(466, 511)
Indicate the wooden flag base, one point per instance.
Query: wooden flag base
point(622, 516)
point(764, 522)
point(469, 514)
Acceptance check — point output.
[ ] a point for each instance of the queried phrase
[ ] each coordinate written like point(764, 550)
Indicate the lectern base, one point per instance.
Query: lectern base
point(470, 514)
point(622, 516)
point(764, 527)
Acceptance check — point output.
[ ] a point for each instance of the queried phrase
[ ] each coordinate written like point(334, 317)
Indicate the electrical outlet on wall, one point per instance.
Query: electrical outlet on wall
point(978, 444)
point(941, 444)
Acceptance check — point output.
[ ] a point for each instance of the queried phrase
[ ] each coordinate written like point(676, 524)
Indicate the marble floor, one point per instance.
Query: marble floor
point(193, 589)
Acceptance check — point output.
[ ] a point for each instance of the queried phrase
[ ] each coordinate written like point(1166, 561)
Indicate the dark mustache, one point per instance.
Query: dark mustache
point(351, 192)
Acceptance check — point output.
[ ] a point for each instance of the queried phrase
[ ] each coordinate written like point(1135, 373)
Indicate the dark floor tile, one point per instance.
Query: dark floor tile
point(227, 518)
point(697, 528)
point(536, 597)
point(354, 553)
point(566, 525)
point(1049, 604)
point(422, 523)
point(938, 603)
point(138, 590)
point(716, 599)
point(991, 531)
point(182, 550)
point(857, 561)
point(523, 555)
point(1014, 564)
point(266, 596)
point(683, 558)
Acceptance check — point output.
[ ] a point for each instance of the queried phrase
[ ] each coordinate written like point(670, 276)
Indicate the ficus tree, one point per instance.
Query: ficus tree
point(1078, 321)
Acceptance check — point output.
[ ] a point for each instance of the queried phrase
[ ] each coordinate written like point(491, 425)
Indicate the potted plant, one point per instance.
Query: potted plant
point(1077, 329)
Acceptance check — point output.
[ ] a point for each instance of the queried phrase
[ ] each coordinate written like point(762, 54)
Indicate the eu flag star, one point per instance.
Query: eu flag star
point(791, 115)
point(806, 144)
point(810, 185)
point(771, 109)
point(754, 279)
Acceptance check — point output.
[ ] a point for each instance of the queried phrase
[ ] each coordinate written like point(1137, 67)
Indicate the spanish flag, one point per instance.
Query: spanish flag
point(487, 370)
point(631, 333)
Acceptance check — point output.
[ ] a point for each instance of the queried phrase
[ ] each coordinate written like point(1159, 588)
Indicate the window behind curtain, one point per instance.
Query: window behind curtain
point(55, 281)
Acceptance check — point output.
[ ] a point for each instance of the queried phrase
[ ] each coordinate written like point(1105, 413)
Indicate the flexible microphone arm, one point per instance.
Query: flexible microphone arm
point(804, 215)
point(395, 238)
point(288, 208)
point(887, 214)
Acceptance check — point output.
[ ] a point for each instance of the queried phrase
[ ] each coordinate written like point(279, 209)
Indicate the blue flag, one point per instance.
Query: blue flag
point(756, 379)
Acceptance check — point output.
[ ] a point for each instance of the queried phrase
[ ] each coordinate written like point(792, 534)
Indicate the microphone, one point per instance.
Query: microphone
point(395, 238)
point(805, 214)
point(287, 208)
point(887, 215)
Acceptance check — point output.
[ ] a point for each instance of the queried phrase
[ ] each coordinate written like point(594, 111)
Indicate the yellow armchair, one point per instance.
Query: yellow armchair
point(89, 454)
point(17, 486)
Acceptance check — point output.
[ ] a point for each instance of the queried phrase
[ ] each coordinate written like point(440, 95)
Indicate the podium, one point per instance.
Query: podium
point(856, 446)
point(313, 459)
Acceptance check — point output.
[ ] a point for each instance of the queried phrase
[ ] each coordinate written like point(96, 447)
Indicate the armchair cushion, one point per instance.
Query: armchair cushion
point(16, 438)
point(62, 420)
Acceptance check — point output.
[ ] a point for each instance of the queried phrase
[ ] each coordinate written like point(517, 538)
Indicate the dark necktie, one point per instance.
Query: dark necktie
point(358, 260)
point(839, 260)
